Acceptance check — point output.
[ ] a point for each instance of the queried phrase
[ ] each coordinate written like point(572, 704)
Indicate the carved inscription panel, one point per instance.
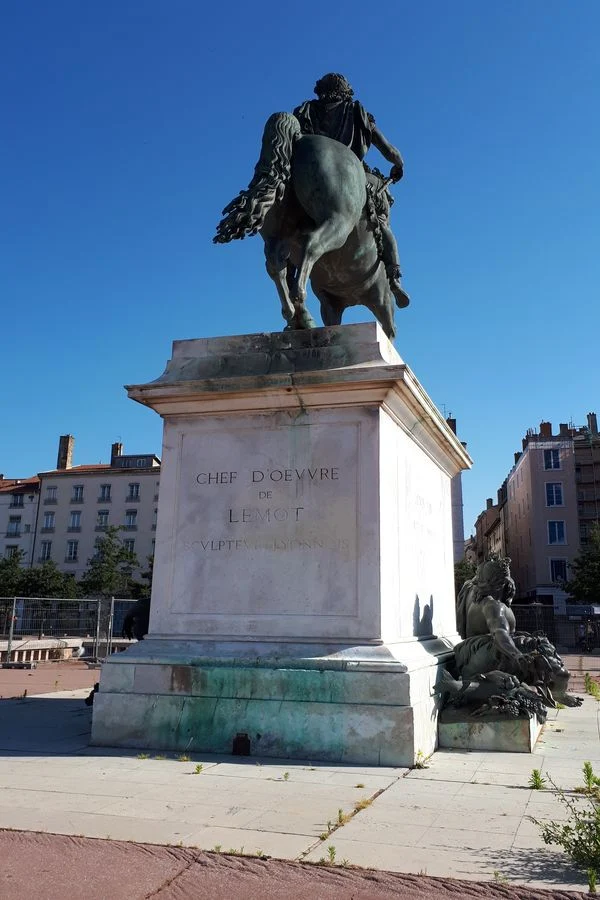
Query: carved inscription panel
point(266, 521)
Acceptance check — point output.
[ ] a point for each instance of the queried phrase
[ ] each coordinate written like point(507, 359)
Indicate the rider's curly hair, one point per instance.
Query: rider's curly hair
point(333, 86)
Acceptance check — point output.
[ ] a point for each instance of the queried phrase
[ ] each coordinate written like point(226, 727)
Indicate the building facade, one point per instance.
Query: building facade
point(19, 498)
point(545, 509)
point(456, 495)
point(78, 503)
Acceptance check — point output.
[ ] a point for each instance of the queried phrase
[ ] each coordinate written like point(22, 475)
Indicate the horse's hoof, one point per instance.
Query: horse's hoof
point(306, 321)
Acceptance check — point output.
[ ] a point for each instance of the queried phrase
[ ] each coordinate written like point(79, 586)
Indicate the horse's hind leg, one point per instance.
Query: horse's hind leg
point(276, 256)
point(330, 235)
point(331, 312)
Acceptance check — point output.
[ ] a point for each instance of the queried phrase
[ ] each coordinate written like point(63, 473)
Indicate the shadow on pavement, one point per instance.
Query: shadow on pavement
point(535, 864)
point(49, 725)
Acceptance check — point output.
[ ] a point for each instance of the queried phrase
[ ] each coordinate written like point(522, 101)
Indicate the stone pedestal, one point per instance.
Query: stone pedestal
point(500, 734)
point(303, 578)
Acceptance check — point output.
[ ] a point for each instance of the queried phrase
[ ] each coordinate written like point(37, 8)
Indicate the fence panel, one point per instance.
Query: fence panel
point(98, 622)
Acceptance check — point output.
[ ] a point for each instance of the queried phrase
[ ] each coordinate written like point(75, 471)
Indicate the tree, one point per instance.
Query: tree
point(48, 581)
point(109, 571)
point(11, 575)
point(45, 582)
point(463, 571)
point(141, 590)
point(584, 586)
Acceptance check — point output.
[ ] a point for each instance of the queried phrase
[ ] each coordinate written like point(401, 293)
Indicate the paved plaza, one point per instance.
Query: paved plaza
point(465, 816)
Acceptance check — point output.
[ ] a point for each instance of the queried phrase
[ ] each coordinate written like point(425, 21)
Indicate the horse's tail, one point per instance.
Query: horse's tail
point(246, 214)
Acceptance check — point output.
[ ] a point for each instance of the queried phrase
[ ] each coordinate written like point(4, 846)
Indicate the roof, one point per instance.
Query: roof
point(79, 470)
point(97, 469)
point(19, 485)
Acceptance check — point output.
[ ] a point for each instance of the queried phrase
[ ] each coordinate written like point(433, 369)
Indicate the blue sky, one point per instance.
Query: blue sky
point(127, 126)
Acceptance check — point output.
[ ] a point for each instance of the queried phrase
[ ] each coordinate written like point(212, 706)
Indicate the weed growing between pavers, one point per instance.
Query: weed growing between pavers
point(536, 780)
point(421, 761)
point(579, 836)
point(591, 686)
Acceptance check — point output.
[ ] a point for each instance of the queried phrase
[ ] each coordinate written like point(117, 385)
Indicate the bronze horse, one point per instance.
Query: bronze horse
point(309, 200)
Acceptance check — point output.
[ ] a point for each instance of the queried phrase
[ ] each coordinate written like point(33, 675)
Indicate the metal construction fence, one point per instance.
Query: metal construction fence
point(98, 622)
point(568, 632)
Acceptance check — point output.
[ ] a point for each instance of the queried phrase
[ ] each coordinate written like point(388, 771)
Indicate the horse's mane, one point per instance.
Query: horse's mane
point(246, 213)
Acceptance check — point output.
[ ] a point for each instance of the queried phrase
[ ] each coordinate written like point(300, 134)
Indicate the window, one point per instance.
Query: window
point(104, 493)
point(14, 526)
point(72, 547)
point(154, 517)
point(16, 500)
point(556, 533)
point(551, 459)
point(77, 493)
point(102, 518)
point(10, 550)
point(50, 495)
point(75, 521)
point(49, 519)
point(129, 545)
point(558, 570)
point(554, 493)
point(134, 492)
point(45, 550)
point(131, 518)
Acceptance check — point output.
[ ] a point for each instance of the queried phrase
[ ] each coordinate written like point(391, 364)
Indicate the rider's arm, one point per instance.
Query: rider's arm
point(387, 150)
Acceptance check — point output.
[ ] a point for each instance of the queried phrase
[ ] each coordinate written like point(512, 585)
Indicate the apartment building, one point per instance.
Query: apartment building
point(488, 533)
point(586, 442)
point(18, 513)
point(78, 503)
point(545, 509)
point(456, 497)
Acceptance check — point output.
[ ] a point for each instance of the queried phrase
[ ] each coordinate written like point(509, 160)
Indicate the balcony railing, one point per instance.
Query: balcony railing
point(48, 529)
point(130, 499)
point(74, 528)
point(52, 500)
point(104, 500)
point(13, 534)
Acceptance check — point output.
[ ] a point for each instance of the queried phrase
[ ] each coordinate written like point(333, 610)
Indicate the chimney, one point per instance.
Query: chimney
point(564, 429)
point(489, 503)
point(518, 457)
point(451, 424)
point(116, 450)
point(592, 423)
point(546, 429)
point(65, 451)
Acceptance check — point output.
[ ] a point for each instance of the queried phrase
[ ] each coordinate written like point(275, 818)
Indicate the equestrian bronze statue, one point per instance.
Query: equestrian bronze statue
point(323, 214)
